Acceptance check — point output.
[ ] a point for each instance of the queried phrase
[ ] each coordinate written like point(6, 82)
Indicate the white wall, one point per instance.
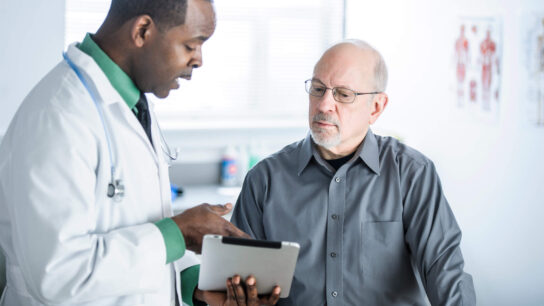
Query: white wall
point(31, 44)
point(492, 172)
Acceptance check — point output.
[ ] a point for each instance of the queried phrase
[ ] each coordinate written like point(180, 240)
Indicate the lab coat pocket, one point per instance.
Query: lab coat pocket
point(383, 253)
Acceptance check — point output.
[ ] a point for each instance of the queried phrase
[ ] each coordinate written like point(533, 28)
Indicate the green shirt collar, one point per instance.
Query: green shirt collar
point(118, 78)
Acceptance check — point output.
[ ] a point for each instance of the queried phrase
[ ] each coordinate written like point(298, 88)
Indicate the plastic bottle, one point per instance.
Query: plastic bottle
point(176, 191)
point(229, 167)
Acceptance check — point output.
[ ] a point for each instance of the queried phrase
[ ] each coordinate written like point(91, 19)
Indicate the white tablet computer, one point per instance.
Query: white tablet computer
point(271, 262)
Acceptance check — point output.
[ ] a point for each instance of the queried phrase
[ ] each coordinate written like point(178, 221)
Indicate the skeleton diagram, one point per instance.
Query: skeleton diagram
point(488, 57)
point(462, 57)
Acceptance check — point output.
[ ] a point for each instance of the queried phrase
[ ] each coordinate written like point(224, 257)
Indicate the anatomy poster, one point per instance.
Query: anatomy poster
point(477, 48)
point(532, 46)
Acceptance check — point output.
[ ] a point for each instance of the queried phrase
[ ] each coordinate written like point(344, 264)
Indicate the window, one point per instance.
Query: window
point(254, 67)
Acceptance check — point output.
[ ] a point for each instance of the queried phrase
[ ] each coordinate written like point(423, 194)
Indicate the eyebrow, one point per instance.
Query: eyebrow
point(339, 86)
point(199, 39)
point(317, 80)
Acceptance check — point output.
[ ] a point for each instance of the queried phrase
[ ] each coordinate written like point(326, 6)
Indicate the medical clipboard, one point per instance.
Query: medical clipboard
point(271, 262)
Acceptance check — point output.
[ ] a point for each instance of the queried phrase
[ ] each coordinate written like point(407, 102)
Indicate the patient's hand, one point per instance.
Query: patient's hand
point(238, 293)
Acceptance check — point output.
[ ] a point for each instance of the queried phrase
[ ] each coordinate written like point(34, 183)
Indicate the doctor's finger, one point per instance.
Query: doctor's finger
point(231, 296)
point(233, 231)
point(221, 209)
point(251, 290)
point(239, 290)
point(273, 298)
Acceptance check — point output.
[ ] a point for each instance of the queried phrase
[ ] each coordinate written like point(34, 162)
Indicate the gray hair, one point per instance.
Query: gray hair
point(380, 69)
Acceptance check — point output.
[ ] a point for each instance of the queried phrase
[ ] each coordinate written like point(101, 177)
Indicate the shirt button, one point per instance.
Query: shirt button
point(333, 254)
point(334, 217)
point(334, 294)
point(338, 180)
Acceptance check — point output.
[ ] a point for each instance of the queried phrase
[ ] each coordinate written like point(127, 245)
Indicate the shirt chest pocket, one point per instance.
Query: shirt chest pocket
point(384, 255)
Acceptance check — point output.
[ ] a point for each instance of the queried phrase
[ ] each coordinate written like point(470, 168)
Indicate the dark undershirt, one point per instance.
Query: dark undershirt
point(339, 162)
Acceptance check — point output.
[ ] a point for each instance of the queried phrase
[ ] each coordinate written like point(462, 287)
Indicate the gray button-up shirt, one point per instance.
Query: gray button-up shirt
point(370, 233)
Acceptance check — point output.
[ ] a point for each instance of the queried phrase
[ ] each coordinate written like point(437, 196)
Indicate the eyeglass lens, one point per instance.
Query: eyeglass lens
point(340, 94)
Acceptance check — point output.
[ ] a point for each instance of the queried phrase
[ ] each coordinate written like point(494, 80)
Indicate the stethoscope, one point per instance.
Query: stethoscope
point(116, 188)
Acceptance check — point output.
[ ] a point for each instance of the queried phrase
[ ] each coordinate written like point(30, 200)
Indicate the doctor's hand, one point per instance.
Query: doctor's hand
point(238, 293)
point(205, 219)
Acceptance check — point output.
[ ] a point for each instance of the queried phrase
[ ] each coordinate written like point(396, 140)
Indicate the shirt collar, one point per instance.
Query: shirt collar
point(117, 77)
point(305, 154)
point(368, 151)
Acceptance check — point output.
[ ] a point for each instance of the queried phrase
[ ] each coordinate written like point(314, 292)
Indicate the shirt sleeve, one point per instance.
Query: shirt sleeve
point(189, 281)
point(248, 211)
point(433, 237)
point(173, 239)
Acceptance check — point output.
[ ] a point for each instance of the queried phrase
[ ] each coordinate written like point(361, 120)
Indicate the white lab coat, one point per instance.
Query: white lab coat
point(66, 242)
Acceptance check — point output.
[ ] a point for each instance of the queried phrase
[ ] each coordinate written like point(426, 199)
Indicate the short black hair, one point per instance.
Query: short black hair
point(165, 13)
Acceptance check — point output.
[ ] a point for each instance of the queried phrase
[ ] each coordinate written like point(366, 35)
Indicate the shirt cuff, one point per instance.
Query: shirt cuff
point(189, 281)
point(173, 239)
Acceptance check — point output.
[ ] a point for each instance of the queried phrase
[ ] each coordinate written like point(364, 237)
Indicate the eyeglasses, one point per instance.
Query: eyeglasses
point(340, 94)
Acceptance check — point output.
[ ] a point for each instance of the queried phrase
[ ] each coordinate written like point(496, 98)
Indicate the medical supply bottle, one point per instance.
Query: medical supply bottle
point(229, 167)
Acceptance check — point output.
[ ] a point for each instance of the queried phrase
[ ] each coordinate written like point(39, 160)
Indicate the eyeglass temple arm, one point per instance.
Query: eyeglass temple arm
point(367, 93)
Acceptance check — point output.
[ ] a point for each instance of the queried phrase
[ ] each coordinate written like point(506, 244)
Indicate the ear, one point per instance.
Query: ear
point(142, 30)
point(378, 106)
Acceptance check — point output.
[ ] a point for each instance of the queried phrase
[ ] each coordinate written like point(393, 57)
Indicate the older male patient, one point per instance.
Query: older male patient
point(368, 211)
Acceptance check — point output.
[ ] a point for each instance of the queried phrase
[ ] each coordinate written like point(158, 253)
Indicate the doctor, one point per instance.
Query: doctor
point(85, 211)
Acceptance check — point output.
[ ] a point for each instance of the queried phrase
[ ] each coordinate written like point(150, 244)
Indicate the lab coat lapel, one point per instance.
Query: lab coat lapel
point(122, 111)
point(107, 95)
point(162, 163)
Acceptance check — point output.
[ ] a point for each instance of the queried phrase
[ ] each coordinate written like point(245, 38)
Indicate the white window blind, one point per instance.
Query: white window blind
point(254, 67)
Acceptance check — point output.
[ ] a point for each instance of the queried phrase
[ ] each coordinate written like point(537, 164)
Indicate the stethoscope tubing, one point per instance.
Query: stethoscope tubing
point(98, 108)
point(116, 186)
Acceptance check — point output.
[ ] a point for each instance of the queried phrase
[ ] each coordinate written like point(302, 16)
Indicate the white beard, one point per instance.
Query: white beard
point(321, 136)
point(323, 139)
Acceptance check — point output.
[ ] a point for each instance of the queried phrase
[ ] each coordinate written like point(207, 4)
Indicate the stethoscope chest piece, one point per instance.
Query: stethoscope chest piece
point(116, 190)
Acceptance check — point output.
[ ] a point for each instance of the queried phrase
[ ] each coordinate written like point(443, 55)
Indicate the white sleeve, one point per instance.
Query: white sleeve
point(189, 259)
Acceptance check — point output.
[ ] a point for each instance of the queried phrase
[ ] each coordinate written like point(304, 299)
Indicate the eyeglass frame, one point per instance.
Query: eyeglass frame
point(333, 90)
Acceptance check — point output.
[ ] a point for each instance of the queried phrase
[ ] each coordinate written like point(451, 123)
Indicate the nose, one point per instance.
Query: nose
point(196, 59)
point(326, 103)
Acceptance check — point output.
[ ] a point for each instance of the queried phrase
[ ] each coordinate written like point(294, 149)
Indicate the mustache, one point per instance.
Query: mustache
point(324, 117)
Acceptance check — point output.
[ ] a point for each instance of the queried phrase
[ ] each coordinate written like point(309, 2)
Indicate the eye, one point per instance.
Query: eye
point(343, 92)
point(318, 89)
point(189, 48)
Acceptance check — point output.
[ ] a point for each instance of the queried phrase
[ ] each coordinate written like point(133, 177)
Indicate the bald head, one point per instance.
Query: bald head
point(359, 55)
point(346, 94)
